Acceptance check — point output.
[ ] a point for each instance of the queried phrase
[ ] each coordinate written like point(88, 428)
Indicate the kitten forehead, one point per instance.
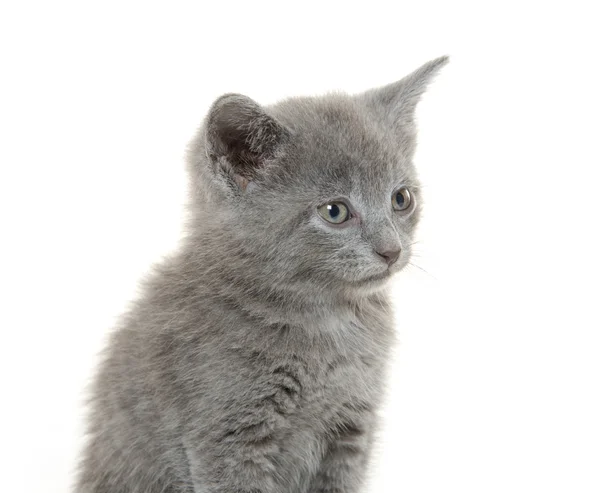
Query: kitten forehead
point(339, 138)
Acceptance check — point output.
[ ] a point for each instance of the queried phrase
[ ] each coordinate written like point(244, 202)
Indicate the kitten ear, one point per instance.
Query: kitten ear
point(241, 137)
point(397, 101)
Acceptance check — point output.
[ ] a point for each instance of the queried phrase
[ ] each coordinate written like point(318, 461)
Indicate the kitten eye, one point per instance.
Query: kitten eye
point(401, 199)
point(334, 212)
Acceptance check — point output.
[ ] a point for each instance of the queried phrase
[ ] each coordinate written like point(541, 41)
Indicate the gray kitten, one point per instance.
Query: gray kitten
point(255, 360)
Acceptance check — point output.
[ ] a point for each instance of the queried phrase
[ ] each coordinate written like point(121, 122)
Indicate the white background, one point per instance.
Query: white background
point(495, 385)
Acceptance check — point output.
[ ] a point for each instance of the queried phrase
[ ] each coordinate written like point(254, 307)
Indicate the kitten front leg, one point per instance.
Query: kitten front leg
point(239, 455)
point(344, 466)
point(238, 445)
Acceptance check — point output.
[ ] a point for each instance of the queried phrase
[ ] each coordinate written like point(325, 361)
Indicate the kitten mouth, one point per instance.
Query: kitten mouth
point(378, 277)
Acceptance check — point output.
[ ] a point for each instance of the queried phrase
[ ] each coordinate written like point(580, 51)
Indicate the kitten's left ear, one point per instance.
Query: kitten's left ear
point(241, 137)
point(397, 101)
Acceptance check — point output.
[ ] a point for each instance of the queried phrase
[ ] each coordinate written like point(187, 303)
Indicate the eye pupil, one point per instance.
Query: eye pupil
point(334, 210)
point(400, 199)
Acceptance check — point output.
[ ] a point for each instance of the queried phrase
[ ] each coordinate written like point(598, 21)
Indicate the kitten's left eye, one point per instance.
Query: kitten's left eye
point(334, 212)
point(401, 199)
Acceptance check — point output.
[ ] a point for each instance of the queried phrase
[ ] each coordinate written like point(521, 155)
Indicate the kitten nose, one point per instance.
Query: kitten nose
point(390, 256)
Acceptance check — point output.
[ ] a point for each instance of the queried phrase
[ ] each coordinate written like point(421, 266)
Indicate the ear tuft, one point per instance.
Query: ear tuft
point(241, 136)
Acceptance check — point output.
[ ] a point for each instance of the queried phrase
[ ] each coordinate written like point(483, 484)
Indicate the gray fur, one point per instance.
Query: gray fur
point(255, 360)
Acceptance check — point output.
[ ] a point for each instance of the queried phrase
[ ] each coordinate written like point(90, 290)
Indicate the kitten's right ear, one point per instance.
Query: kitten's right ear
point(241, 137)
point(397, 101)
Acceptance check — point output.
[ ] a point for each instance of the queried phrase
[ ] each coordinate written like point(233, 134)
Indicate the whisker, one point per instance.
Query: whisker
point(421, 269)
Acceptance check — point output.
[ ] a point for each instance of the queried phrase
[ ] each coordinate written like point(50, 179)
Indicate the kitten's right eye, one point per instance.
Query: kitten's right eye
point(334, 212)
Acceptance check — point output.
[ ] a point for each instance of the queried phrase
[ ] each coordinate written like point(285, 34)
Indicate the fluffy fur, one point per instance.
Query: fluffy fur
point(255, 359)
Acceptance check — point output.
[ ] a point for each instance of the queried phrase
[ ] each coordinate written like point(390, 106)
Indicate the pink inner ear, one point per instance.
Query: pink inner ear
point(241, 181)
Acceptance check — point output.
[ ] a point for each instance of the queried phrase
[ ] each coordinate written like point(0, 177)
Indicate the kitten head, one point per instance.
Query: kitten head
point(314, 194)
